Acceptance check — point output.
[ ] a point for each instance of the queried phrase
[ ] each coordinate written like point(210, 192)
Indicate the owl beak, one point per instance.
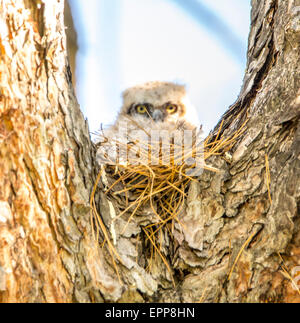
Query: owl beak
point(157, 115)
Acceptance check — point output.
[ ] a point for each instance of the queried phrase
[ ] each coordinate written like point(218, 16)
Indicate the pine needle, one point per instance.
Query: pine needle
point(287, 275)
point(268, 177)
point(246, 243)
point(162, 186)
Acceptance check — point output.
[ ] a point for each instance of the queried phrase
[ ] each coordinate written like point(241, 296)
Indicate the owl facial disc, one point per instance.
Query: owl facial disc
point(157, 115)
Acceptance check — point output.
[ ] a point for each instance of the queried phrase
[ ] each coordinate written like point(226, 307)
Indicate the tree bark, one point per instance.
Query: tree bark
point(72, 44)
point(241, 235)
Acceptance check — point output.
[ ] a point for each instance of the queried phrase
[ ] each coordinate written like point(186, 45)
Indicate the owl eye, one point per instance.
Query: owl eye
point(141, 109)
point(171, 108)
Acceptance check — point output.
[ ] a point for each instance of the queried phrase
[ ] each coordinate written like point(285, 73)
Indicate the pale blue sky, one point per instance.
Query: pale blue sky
point(126, 42)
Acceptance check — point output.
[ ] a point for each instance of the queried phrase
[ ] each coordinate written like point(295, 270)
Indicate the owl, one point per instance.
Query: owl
point(154, 107)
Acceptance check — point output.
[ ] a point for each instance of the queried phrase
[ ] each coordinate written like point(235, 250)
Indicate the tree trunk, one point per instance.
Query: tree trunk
point(72, 44)
point(241, 236)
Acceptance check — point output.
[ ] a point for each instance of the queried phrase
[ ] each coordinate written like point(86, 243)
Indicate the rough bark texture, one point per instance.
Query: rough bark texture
point(45, 161)
point(233, 238)
point(72, 45)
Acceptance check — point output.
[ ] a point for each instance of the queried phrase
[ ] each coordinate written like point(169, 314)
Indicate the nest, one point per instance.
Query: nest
point(163, 186)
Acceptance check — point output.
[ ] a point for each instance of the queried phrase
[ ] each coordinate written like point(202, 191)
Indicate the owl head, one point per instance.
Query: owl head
point(155, 101)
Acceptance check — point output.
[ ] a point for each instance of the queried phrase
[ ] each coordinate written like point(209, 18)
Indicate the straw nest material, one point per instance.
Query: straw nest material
point(162, 186)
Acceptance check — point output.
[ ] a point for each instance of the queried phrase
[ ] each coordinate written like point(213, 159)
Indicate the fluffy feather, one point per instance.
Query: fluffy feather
point(156, 93)
point(130, 128)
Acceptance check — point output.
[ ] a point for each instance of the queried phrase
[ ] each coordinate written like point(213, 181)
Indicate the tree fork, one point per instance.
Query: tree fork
point(250, 211)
